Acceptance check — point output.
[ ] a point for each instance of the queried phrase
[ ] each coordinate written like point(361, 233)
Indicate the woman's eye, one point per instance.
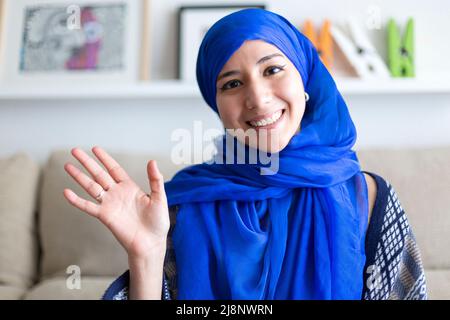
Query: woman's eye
point(235, 83)
point(274, 70)
point(230, 84)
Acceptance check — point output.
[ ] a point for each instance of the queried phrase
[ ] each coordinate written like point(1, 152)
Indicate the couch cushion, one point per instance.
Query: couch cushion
point(19, 177)
point(438, 284)
point(91, 288)
point(421, 178)
point(72, 237)
point(11, 292)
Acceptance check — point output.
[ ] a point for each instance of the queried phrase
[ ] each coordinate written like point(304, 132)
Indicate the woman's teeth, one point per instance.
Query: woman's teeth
point(267, 121)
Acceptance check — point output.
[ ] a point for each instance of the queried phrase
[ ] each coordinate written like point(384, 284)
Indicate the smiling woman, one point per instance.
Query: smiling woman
point(301, 232)
point(261, 93)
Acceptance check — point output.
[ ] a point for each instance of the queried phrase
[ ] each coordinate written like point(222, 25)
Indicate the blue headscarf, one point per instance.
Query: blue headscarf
point(296, 234)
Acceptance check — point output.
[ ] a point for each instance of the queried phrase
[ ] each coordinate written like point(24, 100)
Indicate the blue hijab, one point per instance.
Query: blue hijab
point(296, 234)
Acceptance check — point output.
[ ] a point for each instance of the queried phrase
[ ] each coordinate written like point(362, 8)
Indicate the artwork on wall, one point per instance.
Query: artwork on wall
point(193, 23)
point(50, 44)
point(77, 40)
point(2, 22)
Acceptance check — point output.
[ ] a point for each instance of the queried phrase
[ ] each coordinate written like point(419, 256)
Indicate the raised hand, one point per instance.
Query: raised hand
point(139, 221)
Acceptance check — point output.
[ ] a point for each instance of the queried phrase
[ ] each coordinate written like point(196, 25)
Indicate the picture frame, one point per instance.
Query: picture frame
point(72, 42)
point(193, 23)
point(2, 22)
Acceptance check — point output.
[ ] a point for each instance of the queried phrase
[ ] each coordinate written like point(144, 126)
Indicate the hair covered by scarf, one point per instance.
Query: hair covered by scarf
point(297, 234)
point(225, 38)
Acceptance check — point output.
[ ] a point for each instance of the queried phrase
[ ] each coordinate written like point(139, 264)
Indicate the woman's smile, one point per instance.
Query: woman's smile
point(270, 121)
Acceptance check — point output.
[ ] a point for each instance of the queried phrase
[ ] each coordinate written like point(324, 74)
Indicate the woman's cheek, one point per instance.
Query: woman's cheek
point(233, 109)
point(292, 88)
point(228, 117)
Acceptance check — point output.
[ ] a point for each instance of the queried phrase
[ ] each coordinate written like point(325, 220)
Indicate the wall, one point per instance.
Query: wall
point(144, 126)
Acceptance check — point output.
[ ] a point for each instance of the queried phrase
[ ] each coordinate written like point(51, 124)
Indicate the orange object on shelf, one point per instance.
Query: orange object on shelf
point(323, 42)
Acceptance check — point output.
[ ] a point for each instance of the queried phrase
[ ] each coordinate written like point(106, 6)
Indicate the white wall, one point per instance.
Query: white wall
point(431, 22)
point(145, 125)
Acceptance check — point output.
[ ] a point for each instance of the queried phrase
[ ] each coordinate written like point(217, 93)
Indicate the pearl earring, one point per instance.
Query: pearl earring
point(306, 96)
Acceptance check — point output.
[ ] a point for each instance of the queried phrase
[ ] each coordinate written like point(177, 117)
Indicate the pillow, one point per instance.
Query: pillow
point(19, 177)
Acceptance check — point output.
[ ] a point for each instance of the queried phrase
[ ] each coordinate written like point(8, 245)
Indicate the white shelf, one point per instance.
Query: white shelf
point(354, 86)
point(174, 89)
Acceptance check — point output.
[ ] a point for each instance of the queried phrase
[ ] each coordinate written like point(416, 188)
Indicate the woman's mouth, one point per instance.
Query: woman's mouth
point(269, 122)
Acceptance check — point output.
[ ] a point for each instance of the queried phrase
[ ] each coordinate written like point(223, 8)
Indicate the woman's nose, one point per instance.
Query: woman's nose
point(258, 96)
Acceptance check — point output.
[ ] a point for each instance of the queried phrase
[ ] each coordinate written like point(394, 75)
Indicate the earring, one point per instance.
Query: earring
point(306, 96)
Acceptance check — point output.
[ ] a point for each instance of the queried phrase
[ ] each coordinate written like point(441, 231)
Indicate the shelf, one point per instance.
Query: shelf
point(161, 89)
point(174, 89)
point(354, 86)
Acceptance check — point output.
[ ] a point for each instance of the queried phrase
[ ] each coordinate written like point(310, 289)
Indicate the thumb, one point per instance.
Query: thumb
point(156, 180)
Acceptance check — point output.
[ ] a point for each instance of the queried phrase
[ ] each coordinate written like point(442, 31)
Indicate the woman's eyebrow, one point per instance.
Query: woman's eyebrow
point(270, 56)
point(234, 72)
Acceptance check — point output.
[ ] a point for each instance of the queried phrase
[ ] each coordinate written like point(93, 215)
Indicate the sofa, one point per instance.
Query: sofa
point(51, 250)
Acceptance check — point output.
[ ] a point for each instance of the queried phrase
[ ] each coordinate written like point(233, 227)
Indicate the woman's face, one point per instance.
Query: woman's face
point(261, 92)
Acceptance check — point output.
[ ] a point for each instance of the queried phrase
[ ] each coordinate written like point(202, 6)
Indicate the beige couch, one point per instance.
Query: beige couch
point(42, 236)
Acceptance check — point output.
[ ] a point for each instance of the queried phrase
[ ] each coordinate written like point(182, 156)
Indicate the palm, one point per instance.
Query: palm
point(139, 221)
point(134, 219)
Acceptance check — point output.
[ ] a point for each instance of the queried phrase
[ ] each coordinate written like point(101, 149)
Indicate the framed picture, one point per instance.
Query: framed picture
point(2, 22)
point(193, 23)
point(73, 41)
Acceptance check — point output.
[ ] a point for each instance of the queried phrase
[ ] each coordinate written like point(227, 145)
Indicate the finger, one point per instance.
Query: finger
point(84, 205)
point(95, 170)
point(91, 187)
point(114, 169)
point(156, 181)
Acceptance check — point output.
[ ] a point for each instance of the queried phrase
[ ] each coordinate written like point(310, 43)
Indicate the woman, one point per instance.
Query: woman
point(296, 230)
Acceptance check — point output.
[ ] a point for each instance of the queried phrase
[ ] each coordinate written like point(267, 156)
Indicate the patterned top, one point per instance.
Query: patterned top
point(393, 268)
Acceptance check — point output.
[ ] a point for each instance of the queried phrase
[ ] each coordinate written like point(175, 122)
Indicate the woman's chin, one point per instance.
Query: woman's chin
point(264, 140)
point(271, 144)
